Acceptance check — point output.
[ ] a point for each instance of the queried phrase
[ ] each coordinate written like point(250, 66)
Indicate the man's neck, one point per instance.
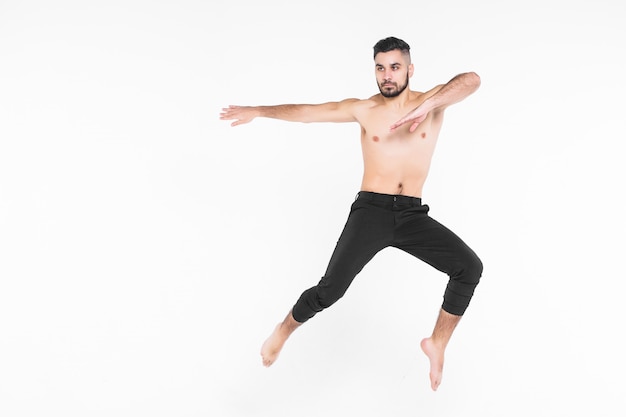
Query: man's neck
point(398, 101)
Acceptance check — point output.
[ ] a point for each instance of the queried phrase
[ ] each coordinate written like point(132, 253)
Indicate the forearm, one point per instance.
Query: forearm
point(287, 112)
point(455, 90)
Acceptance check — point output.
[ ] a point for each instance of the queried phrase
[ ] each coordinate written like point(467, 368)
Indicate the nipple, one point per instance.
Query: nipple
point(375, 138)
point(423, 135)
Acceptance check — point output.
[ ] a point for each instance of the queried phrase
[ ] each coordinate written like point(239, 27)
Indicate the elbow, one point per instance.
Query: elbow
point(473, 80)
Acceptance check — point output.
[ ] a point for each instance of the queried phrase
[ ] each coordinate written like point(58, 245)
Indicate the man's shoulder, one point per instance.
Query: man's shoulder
point(359, 103)
point(375, 99)
point(365, 103)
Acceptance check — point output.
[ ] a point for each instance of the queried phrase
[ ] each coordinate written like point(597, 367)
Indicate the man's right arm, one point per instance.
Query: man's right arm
point(338, 112)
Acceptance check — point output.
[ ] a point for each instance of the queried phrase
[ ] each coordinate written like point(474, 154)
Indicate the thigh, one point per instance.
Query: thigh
point(368, 230)
point(435, 244)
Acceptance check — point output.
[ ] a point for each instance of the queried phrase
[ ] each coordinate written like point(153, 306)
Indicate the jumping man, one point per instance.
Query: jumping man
point(399, 130)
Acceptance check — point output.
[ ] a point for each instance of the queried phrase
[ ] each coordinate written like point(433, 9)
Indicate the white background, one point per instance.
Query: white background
point(147, 248)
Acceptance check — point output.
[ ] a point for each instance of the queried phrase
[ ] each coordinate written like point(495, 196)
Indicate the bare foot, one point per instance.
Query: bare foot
point(435, 355)
point(272, 346)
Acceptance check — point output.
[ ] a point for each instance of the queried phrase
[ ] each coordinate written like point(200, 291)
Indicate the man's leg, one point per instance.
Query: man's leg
point(430, 241)
point(434, 346)
point(366, 232)
point(272, 346)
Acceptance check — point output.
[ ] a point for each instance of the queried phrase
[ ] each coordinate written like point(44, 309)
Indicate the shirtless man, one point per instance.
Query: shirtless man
point(399, 130)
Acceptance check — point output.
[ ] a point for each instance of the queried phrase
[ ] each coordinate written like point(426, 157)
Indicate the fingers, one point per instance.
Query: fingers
point(403, 121)
point(226, 111)
point(397, 124)
point(229, 113)
point(411, 117)
point(239, 114)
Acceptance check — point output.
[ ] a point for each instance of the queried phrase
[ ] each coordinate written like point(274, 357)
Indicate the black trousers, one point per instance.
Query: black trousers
point(377, 221)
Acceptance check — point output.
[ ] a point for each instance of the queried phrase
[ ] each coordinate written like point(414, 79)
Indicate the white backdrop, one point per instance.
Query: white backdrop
point(147, 248)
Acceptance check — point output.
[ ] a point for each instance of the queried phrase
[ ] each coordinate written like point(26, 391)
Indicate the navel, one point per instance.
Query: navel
point(399, 186)
point(375, 138)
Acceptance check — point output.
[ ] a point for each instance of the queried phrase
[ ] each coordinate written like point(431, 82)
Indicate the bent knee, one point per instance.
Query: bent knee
point(469, 272)
point(476, 269)
point(314, 300)
point(326, 298)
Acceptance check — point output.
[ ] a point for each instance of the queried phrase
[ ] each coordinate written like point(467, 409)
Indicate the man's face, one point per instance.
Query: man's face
point(393, 71)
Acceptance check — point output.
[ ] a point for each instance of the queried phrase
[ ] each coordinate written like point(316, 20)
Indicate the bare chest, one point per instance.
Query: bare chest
point(400, 143)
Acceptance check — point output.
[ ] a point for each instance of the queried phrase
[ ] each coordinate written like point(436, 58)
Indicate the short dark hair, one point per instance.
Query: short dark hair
point(391, 44)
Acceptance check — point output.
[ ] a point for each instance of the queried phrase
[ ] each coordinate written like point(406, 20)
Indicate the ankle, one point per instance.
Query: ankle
point(439, 343)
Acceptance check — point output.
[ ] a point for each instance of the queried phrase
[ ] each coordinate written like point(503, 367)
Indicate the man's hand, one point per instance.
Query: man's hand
point(416, 116)
point(241, 114)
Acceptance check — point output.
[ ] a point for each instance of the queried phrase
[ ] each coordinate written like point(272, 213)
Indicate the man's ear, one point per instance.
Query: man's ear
point(410, 70)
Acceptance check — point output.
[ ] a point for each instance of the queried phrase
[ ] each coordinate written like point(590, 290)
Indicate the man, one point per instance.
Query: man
point(399, 130)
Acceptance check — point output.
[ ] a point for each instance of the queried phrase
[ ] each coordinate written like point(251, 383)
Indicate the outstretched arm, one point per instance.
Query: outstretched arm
point(445, 95)
point(327, 112)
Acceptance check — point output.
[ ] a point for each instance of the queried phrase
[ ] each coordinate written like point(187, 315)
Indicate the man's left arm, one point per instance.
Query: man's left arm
point(445, 95)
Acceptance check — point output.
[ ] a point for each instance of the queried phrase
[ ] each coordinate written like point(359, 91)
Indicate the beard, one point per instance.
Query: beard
point(390, 93)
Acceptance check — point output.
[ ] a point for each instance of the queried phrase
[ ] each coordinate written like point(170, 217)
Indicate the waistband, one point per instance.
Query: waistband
point(389, 198)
